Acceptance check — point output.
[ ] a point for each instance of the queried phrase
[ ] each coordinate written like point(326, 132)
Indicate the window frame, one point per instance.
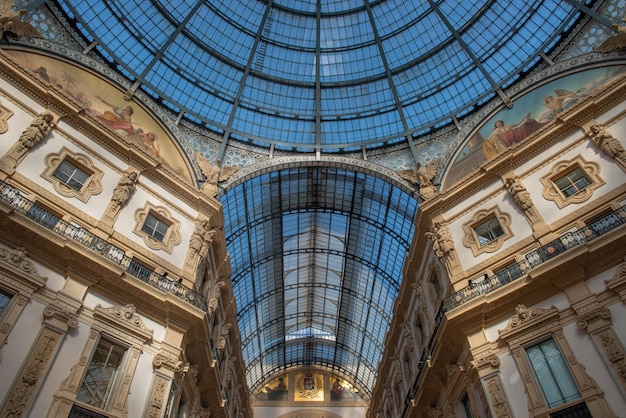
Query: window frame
point(172, 236)
point(551, 190)
point(541, 383)
point(471, 238)
point(115, 381)
point(92, 185)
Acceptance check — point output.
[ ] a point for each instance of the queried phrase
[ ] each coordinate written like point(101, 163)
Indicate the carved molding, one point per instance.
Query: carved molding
point(497, 398)
point(15, 262)
point(167, 360)
point(470, 237)
point(123, 318)
point(172, 237)
point(5, 115)
point(92, 186)
point(528, 319)
point(552, 192)
point(597, 313)
point(618, 282)
point(23, 390)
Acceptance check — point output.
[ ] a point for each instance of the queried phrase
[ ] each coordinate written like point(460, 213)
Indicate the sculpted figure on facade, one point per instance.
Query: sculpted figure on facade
point(443, 245)
point(36, 131)
point(520, 195)
point(123, 190)
point(201, 238)
point(214, 174)
point(422, 176)
point(608, 143)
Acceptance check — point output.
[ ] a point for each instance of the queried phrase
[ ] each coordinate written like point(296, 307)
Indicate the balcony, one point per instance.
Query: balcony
point(537, 257)
point(114, 254)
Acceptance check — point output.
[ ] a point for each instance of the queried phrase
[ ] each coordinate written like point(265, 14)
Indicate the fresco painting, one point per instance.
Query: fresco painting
point(530, 113)
point(106, 104)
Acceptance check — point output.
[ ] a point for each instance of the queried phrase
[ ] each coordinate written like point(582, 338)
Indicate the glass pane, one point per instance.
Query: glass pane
point(155, 228)
point(100, 375)
point(552, 373)
point(71, 175)
point(4, 300)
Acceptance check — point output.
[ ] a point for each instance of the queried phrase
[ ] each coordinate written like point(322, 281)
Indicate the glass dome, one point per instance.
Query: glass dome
point(326, 74)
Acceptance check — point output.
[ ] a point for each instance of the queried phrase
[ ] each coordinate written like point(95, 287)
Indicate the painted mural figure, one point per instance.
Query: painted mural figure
point(278, 392)
point(36, 132)
point(504, 136)
point(118, 117)
point(556, 101)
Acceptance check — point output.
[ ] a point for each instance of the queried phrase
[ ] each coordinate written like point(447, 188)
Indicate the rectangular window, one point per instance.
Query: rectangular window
point(71, 175)
point(467, 407)
point(509, 273)
point(552, 373)
point(155, 227)
point(572, 182)
point(100, 374)
point(5, 298)
point(488, 231)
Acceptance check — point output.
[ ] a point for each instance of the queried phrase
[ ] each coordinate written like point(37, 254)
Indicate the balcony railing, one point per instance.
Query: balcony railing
point(45, 218)
point(537, 257)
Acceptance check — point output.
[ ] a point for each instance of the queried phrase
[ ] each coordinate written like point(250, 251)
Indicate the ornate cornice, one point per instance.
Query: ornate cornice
point(15, 263)
point(529, 323)
point(124, 318)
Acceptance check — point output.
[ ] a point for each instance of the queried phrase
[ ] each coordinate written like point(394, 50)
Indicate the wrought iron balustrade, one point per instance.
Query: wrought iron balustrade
point(44, 217)
point(537, 257)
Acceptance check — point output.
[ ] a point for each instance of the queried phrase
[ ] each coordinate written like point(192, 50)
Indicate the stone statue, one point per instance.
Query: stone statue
point(422, 176)
point(214, 174)
point(11, 21)
point(36, 132)
point(443, 245)
point(201, 238)
point(519, 194)
point(607, 143)
point(124, 188)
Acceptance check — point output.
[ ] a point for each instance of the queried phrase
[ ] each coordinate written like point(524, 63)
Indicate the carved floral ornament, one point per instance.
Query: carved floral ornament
point(17, 259)
point(125, 318)
point(526, 317)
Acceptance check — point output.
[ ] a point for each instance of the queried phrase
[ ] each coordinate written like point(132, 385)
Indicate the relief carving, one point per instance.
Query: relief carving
point(497, 398)
point(157, 397)
point(23, 390)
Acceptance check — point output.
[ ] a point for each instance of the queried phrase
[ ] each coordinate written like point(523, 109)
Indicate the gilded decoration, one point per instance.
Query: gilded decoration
point(275, 390)
point(309, 387)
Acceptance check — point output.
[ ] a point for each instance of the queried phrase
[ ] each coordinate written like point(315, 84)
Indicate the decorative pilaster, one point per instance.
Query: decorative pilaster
point(488, 368)
point(20, 276)
point(166, 366)
point(596, 320)
point(59, 316)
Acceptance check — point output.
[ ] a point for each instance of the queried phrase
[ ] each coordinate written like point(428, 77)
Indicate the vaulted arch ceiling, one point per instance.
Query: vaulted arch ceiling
point(317, 252)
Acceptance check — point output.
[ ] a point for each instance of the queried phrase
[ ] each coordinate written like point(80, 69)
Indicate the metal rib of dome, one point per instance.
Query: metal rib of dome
point(317, 256)
point(323, 74)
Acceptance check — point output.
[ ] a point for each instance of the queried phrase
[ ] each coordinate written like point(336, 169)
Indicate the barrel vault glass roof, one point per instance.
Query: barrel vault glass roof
point(325, 74)
point(317, 252)
point(317, 256)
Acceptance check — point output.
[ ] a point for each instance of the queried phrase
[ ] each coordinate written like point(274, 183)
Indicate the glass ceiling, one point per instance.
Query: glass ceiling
point(317, 252)
point(325, 74)
point(317, 256)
